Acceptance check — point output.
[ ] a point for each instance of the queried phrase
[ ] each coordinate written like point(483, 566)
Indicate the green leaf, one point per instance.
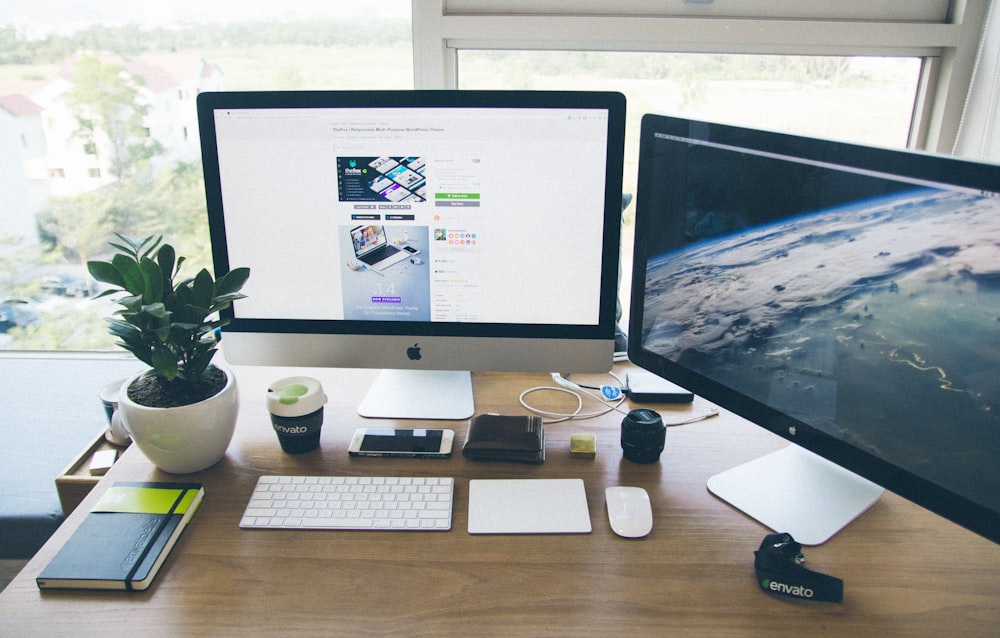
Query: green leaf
point(120, 248)
point(132, 303)
point(187, 327)
point(183, 296)
point(157, 310)
point(130, 339)
point(180, 304)
point(203, 288)
point(104, 271)
point(165, 363)
point(132, 278)
point(161, 332)
point(147, 246)
point(192, 314)
point(165, 258)
point(143, 355)
point(219, 323)
point(130, 247)
point(221, 303)
point(153, 281)
point(124, 331)
point(197, 365)
point(232, 281)
point(207, 340)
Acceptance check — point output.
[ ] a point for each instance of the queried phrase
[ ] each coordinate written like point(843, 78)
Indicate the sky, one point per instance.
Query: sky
point(69, 14)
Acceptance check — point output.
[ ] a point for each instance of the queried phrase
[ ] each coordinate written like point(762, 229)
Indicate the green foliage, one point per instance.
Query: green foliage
point(16, 257)
point(171, 205)
point(169, 325)
point(130, 41)
point(62, 324)
point(106, 101)
point(78, 225)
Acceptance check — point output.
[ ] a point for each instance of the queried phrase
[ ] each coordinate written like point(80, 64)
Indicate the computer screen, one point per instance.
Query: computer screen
point(427, 233)
point(844, 297)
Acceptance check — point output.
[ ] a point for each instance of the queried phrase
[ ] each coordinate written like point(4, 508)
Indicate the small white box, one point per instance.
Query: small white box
point(102, 461)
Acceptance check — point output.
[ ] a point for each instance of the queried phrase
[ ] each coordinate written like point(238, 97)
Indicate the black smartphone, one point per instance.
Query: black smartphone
point(427, 443)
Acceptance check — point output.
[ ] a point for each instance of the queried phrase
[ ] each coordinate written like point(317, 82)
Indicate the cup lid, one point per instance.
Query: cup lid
point(295, 396)
point(109, 393)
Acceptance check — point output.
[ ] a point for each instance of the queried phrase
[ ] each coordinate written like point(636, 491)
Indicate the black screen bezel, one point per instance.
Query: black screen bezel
point(612, 102)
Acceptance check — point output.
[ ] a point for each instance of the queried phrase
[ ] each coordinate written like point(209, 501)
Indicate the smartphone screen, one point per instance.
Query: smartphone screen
point(391, 440)
point(401, 442)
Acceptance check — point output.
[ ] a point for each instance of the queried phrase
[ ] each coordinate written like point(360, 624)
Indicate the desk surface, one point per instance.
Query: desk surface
point(906, 571)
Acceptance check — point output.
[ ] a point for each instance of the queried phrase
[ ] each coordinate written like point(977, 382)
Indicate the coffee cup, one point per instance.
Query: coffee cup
point(296, 408)
point(116, 434)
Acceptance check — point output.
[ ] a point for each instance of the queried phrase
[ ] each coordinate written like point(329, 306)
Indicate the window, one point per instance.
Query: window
point(106, 94)
point(938, 36)
point(872, 71)
point(122, 130)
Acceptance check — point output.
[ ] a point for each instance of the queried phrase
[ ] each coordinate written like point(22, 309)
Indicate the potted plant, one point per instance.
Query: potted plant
point(182, 412)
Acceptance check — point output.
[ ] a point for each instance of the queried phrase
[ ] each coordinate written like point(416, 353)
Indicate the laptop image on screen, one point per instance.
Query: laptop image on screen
point(372, 247)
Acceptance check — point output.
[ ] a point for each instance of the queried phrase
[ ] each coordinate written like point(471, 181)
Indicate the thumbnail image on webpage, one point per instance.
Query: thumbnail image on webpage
point(381, 179)
point(386, 276)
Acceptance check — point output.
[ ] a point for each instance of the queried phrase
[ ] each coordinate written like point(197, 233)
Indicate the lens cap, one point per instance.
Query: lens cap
point(643, 435)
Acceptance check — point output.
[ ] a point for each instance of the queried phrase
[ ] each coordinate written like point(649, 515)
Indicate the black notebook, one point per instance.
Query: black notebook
point(125, 537)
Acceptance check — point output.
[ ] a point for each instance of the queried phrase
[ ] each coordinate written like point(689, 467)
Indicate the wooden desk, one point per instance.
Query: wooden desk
point(906, 571)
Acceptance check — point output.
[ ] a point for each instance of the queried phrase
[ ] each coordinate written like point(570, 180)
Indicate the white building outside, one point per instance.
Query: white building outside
point(43, 157)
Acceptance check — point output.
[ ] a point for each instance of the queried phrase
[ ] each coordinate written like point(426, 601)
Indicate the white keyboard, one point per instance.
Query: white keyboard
point(350, 503)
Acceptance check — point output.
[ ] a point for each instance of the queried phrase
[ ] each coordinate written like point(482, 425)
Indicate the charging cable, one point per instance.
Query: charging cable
point(615, 396)
point(610, 395)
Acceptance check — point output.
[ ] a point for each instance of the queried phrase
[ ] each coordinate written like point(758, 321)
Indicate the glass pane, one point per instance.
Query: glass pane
point(98, 127)
point(859, 99)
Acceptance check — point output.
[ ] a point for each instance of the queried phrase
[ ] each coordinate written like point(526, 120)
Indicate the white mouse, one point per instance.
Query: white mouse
point(629, 511)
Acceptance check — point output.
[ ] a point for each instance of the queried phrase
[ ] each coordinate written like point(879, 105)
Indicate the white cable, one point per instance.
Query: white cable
point(570, 388)
point(559, 416)
point(573, 389)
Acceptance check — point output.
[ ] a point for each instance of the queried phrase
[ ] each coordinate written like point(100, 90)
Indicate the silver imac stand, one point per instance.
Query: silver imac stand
point(419, 394)
point(796, 492)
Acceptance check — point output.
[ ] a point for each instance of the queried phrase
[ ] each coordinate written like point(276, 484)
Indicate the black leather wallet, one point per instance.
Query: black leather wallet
point(493, 437)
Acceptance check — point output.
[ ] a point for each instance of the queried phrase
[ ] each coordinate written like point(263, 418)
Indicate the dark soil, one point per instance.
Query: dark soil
point(155, 392)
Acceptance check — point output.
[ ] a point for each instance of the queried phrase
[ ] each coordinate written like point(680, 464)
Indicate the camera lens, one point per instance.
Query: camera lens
point(643, 436)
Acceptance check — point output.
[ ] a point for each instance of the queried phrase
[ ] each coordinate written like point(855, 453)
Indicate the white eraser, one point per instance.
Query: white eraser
point(102, 461)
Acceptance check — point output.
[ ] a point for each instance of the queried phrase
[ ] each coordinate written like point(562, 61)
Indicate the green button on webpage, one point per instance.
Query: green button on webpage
point(456, 195)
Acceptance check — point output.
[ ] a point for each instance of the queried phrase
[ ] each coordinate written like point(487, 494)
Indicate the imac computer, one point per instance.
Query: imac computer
point(846, 298)
point(425, 233)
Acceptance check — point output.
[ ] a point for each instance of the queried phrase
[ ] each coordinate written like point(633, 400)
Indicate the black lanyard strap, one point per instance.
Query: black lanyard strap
point(778, 563)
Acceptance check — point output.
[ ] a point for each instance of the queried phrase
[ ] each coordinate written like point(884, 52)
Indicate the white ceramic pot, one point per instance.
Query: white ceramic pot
point(184, 439)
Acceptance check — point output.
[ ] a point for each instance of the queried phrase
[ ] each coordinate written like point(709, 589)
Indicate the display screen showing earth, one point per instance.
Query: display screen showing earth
point(865, 307)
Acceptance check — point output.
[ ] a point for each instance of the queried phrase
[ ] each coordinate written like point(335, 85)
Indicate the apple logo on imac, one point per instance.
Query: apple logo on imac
point(413, 352)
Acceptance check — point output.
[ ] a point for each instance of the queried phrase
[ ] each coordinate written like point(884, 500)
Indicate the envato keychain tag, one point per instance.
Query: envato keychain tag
point(779, 569)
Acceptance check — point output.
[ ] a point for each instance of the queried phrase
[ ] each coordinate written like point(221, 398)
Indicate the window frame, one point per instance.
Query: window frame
point(945, 35)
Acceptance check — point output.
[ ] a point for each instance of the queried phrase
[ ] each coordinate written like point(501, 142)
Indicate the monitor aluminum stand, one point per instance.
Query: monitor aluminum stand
point(419, 394)
point(797, 492)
